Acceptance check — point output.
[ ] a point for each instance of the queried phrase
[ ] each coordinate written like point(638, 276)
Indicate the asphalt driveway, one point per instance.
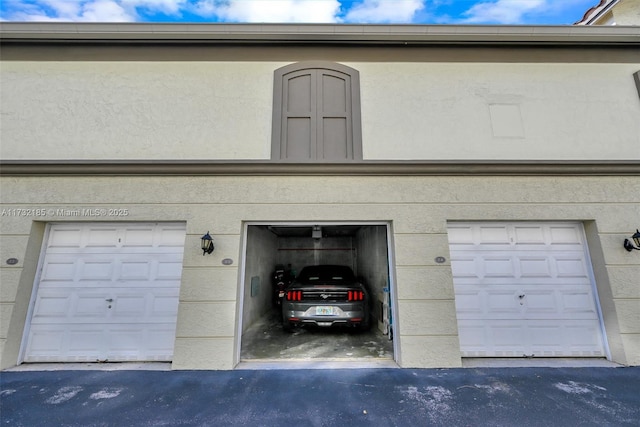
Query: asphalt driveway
point(339, 397)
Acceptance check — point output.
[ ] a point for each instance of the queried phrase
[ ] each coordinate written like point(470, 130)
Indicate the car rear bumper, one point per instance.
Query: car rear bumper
point(351, 315)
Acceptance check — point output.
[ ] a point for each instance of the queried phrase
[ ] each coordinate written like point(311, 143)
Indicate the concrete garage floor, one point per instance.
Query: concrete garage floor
point(266, 345)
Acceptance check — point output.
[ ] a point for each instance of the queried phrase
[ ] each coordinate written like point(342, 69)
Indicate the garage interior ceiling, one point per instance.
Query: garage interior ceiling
point(306, 231)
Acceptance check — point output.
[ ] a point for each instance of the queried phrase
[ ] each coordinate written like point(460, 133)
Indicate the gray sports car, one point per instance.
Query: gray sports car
point(326, 295)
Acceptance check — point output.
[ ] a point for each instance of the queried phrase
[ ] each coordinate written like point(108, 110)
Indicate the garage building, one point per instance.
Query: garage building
point(480, 181)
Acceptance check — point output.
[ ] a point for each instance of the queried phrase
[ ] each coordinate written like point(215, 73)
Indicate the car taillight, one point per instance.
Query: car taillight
point(294, 295)
point(355, 296)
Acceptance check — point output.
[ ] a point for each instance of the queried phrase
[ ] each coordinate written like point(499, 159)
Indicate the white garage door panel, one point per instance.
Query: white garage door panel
point(491, 266)
point(107, 292)
point(542, 338)
point(524, 289)
point(539, 301)
point(101, 238)
point(81, 343)
point(78, 305)
point(58, 343)
point(95, 270)
point(511, 233)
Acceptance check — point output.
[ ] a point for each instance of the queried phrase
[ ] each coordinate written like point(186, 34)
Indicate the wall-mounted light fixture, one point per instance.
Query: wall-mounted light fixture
point(206, 244)
point(634, 243)
point(316, 232)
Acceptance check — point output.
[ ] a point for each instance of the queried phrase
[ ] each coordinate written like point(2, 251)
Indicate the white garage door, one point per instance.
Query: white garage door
point(524, 289)
point(107, 292)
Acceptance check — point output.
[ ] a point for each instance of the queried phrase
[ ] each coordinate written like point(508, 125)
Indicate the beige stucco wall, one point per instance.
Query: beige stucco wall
point(410, 110)
point(417, 207)
point(627, 12)
point(500, 111)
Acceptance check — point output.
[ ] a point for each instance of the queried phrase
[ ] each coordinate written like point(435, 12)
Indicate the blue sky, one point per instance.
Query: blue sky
point(496, 12)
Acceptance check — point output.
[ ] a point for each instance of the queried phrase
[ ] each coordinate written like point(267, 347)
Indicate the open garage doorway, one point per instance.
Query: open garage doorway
point(282, 250)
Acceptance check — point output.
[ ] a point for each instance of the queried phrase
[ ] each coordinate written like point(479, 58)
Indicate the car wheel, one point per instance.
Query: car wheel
point(363, 327)
point(286, 326)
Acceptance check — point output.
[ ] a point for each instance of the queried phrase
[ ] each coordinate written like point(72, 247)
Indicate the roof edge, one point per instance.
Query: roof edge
point(55, 32)
point(596, 12)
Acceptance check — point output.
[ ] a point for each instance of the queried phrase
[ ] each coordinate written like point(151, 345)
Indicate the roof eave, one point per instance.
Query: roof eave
point(76, 33)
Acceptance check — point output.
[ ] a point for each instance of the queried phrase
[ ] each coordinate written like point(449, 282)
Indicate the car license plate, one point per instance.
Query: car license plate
point(322, 310)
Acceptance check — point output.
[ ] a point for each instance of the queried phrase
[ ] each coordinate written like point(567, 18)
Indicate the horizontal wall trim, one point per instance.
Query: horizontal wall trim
point(266, 168)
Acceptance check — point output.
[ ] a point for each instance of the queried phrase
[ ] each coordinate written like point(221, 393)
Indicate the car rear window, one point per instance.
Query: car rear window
point(323, 273)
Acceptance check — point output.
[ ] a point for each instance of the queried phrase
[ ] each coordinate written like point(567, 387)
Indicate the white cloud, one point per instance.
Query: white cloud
point(386, 11)
point(168, 7)
point(269, 10)
point(64, 8)
point(502, 11)
point(105, 11)
point(72, 10)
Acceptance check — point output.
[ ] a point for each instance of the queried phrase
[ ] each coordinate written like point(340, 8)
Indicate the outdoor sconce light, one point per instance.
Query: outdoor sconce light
point(206, 244)
point(629, 245)
point(316, 232)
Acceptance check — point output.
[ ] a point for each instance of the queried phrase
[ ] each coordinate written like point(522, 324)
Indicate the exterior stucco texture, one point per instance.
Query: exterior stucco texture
point(418, 209)
point(410, 111)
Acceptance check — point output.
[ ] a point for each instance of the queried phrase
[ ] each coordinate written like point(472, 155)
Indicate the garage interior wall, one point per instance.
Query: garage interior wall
point(373, 265)
point(417, 206)
point(303, 251)
point(262, 249)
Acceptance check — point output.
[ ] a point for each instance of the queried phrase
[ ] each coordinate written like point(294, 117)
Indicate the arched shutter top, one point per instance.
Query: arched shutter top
point(316, 113)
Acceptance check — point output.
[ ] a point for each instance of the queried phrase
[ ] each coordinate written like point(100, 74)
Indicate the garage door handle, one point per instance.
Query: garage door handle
point(109, 300)
point(521, 296)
